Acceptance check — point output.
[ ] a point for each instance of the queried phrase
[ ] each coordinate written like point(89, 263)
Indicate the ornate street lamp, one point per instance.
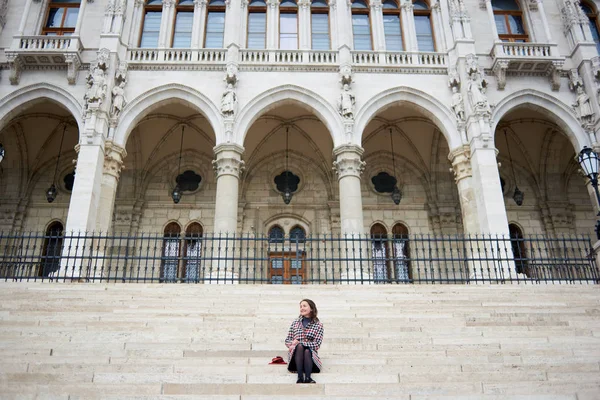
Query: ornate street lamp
point(176, 194)
point(517, 195)
point(51, 192)
point(396, 193)
point(588, 160)
point(287, 194)
point(2, 152)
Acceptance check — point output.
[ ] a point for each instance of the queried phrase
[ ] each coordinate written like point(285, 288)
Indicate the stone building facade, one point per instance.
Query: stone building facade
point(457, 102)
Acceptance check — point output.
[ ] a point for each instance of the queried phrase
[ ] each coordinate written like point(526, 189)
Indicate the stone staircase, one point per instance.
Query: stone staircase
point(138, 341)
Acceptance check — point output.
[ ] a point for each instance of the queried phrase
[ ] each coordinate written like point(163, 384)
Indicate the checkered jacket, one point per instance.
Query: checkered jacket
point(311, 337)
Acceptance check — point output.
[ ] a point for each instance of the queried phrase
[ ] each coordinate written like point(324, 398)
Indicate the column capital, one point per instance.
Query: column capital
point(228, 160)
point(114, 156)
point(348, 161)
point(461, 163)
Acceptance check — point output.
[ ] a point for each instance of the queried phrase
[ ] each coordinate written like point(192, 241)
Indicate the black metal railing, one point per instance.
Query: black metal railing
point(220, 258)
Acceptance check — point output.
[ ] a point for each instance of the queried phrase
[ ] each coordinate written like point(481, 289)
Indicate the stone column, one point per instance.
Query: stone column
point(113, 164)
point(136, 20)
point(409, 31)
point(80, 16)
point(166, 23)
point(349, 167)
point(272, 24)
point(228, 166)
point(438, 27)
point(548, 34)
point(304, 23)
point(24, 18)
point(333, 24)
point(490, 12)
point(463, 176)
point(377, 25)
point(199, 24)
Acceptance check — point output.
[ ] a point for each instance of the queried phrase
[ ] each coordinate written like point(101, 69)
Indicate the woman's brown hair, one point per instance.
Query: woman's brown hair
point(313, 309)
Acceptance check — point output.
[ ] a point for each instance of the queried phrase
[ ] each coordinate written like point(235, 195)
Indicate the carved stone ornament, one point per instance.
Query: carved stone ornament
point(375, 5)
point(273, 4)
point(483, 4)
point(138, 3)
point(113, 160)
point(15, 62)
point(231, 74)
point(458, 10)
point(575, 80)
point(476, 87)
point(200, 3)
point(228, 101)
point(169, 3)
point(346, 75)
point(500, 68)
point(96, 79)
point(228, 166)
point(73, 64)
point(453, 78)
point(533, 4)
point(596, 67)
point(458, 105)
point(304, 4)
point(346, 103)
point(572, 14)
point(461, 163)
point(348, 166)
point(554, 72)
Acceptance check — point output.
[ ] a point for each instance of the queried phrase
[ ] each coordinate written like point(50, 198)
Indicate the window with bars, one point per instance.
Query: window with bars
point(288, 25)
point(319, 24)
point(215, 25)
point(592, 15)
point(361, 25)
point(184, 19)
point(423, 26)
point(392, 27)
point(257, 24)
point(61, 17)
point(151, 24)
point(509, 21)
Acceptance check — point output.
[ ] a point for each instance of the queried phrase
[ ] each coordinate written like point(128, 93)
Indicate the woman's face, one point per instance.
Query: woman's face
point(305, 309)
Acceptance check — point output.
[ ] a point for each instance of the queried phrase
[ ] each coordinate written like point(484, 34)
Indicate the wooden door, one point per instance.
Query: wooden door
point(287, 268)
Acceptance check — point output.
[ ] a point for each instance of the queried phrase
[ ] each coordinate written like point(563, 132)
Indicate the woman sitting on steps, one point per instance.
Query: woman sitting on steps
point(303, 341)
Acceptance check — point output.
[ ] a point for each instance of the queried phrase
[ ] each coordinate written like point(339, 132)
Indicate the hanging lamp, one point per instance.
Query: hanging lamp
point(287, 194)
point(51, 192)
point(396, 193)
point(517, 195)
point(176, 194)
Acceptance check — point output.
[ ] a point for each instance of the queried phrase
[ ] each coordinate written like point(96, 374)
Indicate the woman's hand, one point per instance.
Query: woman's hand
point(293, 344)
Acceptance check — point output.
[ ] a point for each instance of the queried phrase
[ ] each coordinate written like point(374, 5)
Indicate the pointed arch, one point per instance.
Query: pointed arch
point(425, 103)
point(280, 95)
point(145, 103)
point(554, 109)
point(23, 98)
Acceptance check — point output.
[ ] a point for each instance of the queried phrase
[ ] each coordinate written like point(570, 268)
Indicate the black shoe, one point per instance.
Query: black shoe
point(300, 380)
point(309, 380)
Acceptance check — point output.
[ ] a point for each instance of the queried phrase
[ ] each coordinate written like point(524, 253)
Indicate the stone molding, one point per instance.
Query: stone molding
point(348, 161)
point(461, 163)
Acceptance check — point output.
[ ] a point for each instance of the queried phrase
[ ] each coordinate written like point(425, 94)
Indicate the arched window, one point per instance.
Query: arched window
point(257, 24)
point(215, 25)
point(193, 252)
point(401, 253)
point(422, 13)
point(518, 248)
point(184, 19)
point(319, 25)
point(361, 25)
point(61, 17)
point(53, 243)
point(276, 234)
point(288, 25)
point(171, 252)
point(151, 24)
point(297, 235)
point(379, 253)
point(392, 26)
point(509, 21)
point(592, 15)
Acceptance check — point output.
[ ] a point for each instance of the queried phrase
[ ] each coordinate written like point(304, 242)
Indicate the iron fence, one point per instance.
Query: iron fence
point(320, 259)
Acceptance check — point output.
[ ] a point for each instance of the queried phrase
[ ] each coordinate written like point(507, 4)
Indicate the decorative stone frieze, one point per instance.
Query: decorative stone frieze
point(461, 163)
point(458, 10)
point(348, 161)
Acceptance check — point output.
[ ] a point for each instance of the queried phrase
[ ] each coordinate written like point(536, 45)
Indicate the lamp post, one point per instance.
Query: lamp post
point(51, 192)
point(588, 160)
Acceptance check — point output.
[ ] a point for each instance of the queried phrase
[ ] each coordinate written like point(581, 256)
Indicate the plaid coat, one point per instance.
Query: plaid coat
point(310, 337)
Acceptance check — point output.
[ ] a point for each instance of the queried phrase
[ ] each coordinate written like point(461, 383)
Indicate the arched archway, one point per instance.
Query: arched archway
point(51, 252)
point(379, 253)
point(284, 95)
point(550, 107)
point(161, 96)
point(171, 250)
point(422, 102)
point(192, 252)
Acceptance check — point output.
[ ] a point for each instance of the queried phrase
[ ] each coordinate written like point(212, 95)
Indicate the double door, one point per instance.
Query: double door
point(287, 268)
